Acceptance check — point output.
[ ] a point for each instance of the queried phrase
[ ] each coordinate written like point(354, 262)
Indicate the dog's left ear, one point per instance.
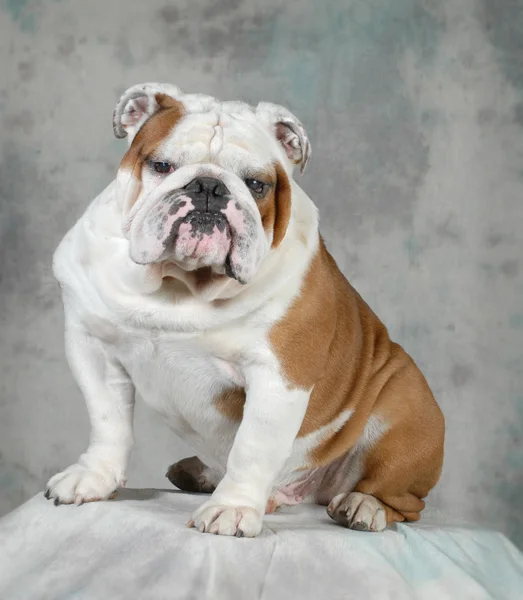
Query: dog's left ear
point(139, 103)
point(288, 131)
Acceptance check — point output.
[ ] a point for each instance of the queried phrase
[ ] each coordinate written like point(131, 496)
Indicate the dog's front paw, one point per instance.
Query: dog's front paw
point(77, 485)
point(240, 521)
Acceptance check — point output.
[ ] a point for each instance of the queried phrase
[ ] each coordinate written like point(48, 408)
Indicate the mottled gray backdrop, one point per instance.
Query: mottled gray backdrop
point(415, 112)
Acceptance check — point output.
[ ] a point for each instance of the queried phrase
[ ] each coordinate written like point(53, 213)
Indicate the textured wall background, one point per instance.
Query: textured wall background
point(415, 111)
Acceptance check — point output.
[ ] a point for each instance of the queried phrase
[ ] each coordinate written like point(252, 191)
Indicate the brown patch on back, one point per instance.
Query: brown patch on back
point(302, 349)
point(320, 343)
point(151, 135)
point(230, 403)
point(332, 341)
point(275, 208)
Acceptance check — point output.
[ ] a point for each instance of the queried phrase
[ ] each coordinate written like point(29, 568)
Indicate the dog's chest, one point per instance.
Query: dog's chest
point(182, 379)
point(179, 374)
point(174, 370)
point(181, 354)
point(174, 361)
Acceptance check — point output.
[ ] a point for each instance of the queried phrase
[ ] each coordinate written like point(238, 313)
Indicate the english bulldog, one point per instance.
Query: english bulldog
point(198, 280)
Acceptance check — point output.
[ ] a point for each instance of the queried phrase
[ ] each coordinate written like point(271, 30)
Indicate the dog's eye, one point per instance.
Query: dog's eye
point(256, 186)
point(163, 167)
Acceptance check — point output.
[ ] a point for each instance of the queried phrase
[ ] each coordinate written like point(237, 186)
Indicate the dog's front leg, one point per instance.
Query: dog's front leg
point(271, 420)
point(109, 395)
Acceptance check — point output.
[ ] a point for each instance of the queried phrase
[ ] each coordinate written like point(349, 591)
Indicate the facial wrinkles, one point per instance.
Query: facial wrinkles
point(216, 142)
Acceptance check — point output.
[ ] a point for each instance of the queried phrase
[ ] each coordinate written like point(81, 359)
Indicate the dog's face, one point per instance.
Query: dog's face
point(205, 184)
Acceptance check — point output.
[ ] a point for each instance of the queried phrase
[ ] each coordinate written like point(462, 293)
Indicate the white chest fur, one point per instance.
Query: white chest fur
point(180, 377)
point(180, 352)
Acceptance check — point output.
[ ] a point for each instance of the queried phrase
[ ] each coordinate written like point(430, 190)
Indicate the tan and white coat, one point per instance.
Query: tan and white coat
point(269, 364)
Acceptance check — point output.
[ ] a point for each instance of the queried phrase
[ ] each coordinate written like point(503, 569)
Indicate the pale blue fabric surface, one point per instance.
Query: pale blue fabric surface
point(138, 547)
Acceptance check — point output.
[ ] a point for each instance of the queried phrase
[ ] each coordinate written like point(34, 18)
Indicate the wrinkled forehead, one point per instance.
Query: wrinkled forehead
point(228, 135)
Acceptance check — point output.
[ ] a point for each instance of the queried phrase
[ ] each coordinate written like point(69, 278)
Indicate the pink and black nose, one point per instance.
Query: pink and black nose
point(208, 194)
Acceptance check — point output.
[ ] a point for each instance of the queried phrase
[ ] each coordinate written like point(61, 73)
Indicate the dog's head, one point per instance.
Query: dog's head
point(205, 184)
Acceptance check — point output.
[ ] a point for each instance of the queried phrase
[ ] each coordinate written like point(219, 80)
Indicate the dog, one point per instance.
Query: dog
point(198, 280)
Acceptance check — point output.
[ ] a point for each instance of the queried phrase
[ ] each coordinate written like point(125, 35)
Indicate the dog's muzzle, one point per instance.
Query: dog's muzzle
point(199, 225)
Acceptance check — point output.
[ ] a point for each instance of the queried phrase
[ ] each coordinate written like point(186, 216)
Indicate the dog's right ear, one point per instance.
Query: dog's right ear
point(139, 103)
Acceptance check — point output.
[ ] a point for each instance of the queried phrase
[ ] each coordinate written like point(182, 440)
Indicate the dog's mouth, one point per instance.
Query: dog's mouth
point(205, 222)
point(201, 237)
